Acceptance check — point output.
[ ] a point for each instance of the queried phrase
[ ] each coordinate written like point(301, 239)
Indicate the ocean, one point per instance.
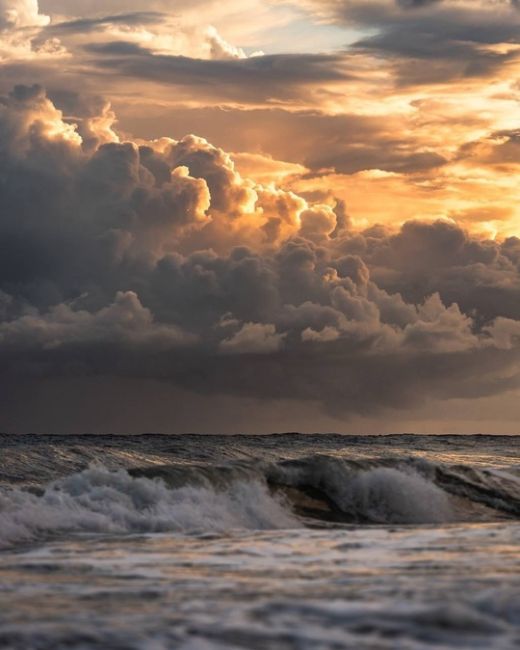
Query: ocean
point(282, 542)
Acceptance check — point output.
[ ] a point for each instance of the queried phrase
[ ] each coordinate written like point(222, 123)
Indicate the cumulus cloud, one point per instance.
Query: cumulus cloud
point(27, 32)
point(122, 323)
point(145, 31)
point(385, 115)
point(253, 338)
point(21, 13)
point(160, 260)
point(21, 28)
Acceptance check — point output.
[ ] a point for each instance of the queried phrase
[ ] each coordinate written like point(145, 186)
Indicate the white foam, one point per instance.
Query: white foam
point(392, 495)
point(101, 501)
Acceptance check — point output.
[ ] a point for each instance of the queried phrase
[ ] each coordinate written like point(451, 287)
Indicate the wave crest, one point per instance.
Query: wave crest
point(368, 494)
point(97, 500)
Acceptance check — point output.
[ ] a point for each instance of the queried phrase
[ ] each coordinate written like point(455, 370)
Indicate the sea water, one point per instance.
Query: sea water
point(284, 541)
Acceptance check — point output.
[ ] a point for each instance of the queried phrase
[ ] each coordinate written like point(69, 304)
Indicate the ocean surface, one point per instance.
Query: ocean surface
point(256, 542)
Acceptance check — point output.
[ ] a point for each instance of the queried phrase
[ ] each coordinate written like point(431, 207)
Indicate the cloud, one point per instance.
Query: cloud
point(30, 37)
point(135, 32)
point(123, 323)
point(21, 24)
point(397, 112)
point(253, 338)
point(159, 260)
point(158, 48)
point(253, 80)
point(460, 39)
point(15, 14)
point(262, 272)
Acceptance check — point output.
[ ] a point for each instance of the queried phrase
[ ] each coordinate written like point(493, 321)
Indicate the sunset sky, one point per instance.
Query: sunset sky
point(260, 215)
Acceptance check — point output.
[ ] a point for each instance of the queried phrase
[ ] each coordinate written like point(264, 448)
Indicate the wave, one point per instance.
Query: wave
point(359, 494)
point(408, 490)
point(97, 500)
point(411, 490)
point(310, 491)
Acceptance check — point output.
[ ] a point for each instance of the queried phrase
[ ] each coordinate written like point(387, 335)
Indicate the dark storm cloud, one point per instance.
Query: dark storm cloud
point(451, 36)
point(255, 79)
point(482, 277)
point(455, 55)
point(106, 269)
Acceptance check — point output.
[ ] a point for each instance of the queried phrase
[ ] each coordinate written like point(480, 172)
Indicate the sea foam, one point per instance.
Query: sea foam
point(97, 500)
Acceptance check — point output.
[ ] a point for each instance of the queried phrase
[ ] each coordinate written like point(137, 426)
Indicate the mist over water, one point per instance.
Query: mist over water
point(282, 541)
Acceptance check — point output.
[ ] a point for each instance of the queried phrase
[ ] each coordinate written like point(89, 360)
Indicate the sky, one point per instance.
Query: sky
point(260, 215)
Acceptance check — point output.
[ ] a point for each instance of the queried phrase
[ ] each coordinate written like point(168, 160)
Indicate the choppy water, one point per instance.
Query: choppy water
point(285, 541)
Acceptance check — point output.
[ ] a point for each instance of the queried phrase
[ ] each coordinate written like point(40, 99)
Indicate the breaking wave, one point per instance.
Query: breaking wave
point(378, 495)
point(317, 490)
point(101, 501)
point(400, 491)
